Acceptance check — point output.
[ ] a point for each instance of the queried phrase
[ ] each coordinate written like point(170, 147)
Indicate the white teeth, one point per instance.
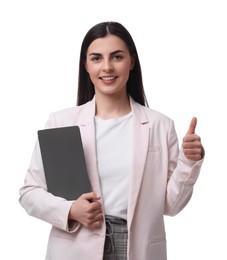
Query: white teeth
point(108, 78)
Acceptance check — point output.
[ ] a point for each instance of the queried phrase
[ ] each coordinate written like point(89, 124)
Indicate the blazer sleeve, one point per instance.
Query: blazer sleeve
point(35, 198)
point(182, 176)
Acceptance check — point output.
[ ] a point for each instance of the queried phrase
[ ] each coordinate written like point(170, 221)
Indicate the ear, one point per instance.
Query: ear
point(85, 65)
point(132, 63)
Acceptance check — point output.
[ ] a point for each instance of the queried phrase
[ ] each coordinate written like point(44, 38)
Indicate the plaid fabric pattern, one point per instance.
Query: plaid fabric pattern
point(116, 239)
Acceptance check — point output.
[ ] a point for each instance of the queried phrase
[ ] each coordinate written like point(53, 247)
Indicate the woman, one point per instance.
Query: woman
point(136, 170)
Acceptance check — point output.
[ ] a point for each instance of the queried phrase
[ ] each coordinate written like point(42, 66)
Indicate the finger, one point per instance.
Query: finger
point(191, 141)
point(193, 151)
point(191, 129)
point(96, 204)
point(91, 196)
point(95, 215)
point(94, 222)
point(195, 157)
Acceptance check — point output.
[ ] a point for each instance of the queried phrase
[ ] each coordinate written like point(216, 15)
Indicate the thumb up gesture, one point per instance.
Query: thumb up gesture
point(192, 146)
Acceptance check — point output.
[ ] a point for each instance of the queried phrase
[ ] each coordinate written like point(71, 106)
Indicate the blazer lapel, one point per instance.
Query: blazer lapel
point(87, 129)
point(140, 146)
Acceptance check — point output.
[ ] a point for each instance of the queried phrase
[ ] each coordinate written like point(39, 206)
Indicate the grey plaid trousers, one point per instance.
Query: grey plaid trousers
point(116, 239)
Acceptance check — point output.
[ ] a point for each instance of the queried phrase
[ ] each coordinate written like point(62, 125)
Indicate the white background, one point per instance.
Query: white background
point(183, 52)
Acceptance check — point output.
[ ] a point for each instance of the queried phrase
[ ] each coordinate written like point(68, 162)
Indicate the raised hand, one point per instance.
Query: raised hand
point(87, 210)
point(192, 146)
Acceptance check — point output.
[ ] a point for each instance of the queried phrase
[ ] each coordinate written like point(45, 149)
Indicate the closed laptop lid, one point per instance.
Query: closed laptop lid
point(64, 162)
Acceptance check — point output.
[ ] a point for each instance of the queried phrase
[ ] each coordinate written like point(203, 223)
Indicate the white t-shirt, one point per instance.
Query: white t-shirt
point(114, 154)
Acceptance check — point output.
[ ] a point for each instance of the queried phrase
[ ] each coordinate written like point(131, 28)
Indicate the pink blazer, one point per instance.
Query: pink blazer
point(161, 183)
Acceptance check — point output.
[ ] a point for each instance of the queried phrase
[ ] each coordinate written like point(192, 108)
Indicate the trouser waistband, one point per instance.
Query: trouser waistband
point(116, 237)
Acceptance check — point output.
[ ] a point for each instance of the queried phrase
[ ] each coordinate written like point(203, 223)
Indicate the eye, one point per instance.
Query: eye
point(117, 57)
point(96, 58)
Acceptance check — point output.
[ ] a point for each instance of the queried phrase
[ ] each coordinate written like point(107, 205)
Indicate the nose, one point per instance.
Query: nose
point(107, 66)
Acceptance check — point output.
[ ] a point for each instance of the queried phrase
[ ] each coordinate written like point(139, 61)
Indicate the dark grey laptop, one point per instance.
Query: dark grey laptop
point(64, 162)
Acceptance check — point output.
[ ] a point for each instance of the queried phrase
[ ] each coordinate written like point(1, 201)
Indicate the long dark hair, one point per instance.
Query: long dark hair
point(86, 89)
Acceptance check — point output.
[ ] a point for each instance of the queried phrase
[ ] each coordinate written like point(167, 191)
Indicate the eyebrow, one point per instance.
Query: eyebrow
point(112, 53)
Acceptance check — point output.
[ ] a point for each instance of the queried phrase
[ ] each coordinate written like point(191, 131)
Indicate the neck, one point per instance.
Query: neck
point(110, 106)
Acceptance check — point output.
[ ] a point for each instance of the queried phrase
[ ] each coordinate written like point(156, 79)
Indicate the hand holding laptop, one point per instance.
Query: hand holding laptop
point(87, 210)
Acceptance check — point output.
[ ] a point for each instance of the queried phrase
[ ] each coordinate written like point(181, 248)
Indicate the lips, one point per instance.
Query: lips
point(108, 78)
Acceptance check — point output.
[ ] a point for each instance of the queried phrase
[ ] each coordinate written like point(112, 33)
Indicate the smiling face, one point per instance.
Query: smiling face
point(108, 63)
